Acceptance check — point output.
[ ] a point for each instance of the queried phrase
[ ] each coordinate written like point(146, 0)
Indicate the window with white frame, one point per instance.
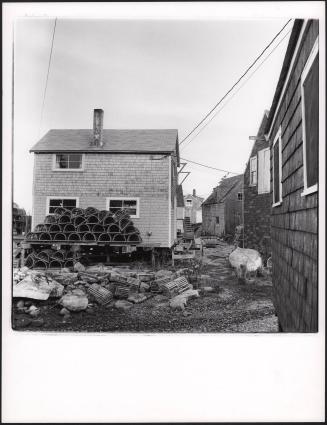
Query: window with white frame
point(189, 202)
point(277, 169)
point(253, 171)
point(132, 205)
point(240, 196)
point(264, 171)
point(55, 202)
point(68, 161)
point(310, 120)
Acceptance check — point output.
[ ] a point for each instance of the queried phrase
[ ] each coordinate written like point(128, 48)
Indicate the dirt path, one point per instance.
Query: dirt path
point(229, 307)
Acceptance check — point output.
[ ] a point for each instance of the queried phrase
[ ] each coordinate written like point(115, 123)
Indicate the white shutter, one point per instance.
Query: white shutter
point(264, 171)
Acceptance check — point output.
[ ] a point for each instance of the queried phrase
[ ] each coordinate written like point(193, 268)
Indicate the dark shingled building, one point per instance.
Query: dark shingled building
point(292, 129)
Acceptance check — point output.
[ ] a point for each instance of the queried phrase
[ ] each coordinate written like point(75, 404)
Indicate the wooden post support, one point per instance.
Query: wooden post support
point(107, 250)
point(153, 258)
point(22, 257)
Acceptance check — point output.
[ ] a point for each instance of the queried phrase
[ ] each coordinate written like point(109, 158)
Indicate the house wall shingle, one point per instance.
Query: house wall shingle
point(107, 175)
point(294, 223)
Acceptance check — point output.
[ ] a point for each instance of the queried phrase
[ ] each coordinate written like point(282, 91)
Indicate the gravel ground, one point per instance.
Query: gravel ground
point(230, 307)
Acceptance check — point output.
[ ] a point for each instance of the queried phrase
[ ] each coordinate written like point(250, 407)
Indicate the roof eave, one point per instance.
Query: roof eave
point(100, 151)
point(283, 74)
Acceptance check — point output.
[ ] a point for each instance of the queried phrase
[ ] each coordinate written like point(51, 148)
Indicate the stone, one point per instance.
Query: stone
point(22, 322)
point(37, 322)
point(74, 302)
point(123, 305)
point(64, 312)
point(136, 298)
point(144, 287)
point(79, 267)
point(178, 302)
point(207, 289)
point(163, 273)
point(78, 292)
point(20, 304)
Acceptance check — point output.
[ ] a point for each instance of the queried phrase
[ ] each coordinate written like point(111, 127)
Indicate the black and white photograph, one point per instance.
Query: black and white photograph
point(166, 177)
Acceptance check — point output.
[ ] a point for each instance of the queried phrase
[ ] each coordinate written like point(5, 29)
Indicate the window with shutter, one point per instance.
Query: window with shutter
point(310, 120)
point(264, 171)
point(253, 171)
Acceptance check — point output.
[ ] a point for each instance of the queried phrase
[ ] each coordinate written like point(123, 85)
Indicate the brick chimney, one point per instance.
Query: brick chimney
point(194, 192)
point(97, 128)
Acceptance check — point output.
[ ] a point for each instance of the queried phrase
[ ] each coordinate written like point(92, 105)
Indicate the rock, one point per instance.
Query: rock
point(74, 302)
point(163, 273)
point(123, 305)
point(64, 312)
point(37, 322)
point(186, 313)
point(190, 294)
point(20, 304)
point(78, 292)
point(22, 322)
point(144, 287)
point(178, 302)
point(136, 298)
point(79, 267)
point(34, 313)
point(206, 289)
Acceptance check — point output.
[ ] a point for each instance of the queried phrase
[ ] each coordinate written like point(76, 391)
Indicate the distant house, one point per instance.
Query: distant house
point(257, 196)
point(180, 214)
point(222, 211)
point(110, 169)
point(292, 129)
point(193, 207)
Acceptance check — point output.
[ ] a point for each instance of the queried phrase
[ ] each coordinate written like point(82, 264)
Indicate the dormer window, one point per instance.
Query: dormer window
point(68, 162)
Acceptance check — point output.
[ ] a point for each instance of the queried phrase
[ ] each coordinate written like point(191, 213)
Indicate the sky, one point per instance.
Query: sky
point(145, 74)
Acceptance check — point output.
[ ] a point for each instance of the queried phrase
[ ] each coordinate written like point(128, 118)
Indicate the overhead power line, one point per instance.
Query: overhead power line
point(235, 92)
point(208, 166)
point(235, 84)
point(48, 72)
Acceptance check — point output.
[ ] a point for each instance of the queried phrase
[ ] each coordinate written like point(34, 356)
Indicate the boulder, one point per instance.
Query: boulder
point(64, 312)
point(123, 305)
point(74, 302)
point(79, 267)
point(163, 273)
point(144, 287)
point(136, 298)
point(178, 302)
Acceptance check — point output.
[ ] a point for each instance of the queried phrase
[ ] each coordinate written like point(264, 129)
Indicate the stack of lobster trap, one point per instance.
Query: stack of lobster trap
point(78, 227)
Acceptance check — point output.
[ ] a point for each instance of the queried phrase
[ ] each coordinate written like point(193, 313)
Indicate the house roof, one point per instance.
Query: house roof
point(141, 141)
point(220, 192)
point(284, 71)
point(179, 196)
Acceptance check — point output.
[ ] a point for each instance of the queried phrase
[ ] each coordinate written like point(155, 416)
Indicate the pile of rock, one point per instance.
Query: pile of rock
point(81, 289)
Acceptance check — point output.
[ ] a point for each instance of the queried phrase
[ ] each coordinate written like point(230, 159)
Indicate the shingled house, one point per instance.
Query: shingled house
point(293, 132)
point(222, 211)
point(257, 196)
point(110, 169)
